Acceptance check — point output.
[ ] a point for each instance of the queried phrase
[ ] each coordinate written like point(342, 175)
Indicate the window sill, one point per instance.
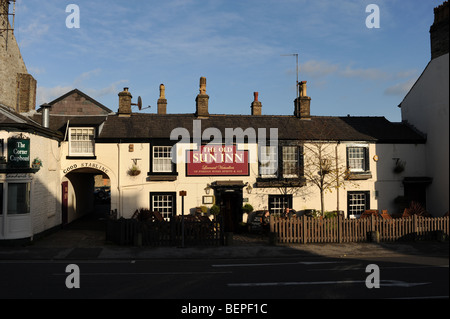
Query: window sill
point(359, 175)
point(87, 157)
point(286, 182)
point(161, 177)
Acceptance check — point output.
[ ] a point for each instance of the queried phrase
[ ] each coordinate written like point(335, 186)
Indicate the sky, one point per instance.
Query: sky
point(241, 47)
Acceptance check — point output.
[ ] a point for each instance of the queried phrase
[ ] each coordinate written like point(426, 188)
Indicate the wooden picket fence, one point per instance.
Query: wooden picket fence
point(132, 232)
point(340, 230)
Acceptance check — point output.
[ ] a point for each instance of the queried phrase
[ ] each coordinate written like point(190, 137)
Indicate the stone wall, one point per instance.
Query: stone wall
point(17, 86)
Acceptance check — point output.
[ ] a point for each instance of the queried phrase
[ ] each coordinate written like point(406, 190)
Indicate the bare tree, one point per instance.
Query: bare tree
point(323, 168)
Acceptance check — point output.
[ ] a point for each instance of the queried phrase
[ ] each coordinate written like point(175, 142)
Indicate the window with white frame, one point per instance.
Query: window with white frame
point(278, 203)
point(358, 202)
point(268, 161)
point(164, 203)
point(162, 159)
point(357, 158)
point(81, 141)
point(290, 162)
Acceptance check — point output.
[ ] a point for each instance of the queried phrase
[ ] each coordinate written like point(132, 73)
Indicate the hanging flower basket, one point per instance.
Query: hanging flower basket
point(37, 163)
point(134, 171)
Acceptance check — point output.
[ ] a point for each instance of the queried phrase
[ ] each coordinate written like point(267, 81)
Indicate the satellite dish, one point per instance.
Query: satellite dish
point(139, 103)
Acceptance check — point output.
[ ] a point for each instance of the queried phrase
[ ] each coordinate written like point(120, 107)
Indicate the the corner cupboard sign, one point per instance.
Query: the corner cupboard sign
point(19, 152)
point(217, 160)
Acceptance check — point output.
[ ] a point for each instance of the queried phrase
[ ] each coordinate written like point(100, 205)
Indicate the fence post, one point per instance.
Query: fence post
point(304, 229)
point(415, 228)
point(339, 229)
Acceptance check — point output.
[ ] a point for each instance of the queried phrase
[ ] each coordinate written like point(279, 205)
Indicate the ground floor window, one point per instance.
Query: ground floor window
point(278, 203)
point(164, 203)
point(17, 198)
point(358, 202)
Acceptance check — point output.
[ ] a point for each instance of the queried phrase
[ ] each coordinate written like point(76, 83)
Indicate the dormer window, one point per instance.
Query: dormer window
point(81, 141)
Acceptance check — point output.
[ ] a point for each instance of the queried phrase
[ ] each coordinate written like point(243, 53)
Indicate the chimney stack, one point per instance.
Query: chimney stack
point(256, 105)
point(162, 101)
point(125, 103)
point(439, 31)
point(202, 100)
point(303, 103)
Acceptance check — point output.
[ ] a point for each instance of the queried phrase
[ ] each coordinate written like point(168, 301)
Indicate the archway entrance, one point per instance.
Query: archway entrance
point(86, 196)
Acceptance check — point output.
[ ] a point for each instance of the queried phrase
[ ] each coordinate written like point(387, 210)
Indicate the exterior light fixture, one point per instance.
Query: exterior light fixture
point(249, 189)
point(207, 189)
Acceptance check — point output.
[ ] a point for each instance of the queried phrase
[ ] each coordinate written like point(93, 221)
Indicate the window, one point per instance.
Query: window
point(18, 198)
point(287, 159)
point(162, 159)
point(290, 161)
point(358, 202)
point(81, 141)
point(278, 203)
point(1, 198)
point(164, 203)
point(358, 159)
point(268, 166)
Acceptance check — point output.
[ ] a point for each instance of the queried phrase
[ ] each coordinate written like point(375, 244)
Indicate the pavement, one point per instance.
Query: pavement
point(87, 242)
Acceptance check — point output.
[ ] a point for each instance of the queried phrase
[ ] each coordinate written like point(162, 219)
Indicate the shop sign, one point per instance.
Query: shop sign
point(217, 160)
point(18, 152)
point(86, 165)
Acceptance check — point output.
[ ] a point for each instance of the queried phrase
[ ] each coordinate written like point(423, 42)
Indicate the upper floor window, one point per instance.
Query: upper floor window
point(358, 158)
point(281, 162)
point(268, 158)
point(290, 162)
point(162, 159)
point(81, 141)
point(358, 161)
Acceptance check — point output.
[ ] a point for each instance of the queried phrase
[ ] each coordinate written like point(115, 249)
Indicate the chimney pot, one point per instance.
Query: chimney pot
point(46, 115)
point(256, 104)
point(162, 102)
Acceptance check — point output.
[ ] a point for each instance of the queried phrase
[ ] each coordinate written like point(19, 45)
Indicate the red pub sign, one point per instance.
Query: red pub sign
point(217, 160)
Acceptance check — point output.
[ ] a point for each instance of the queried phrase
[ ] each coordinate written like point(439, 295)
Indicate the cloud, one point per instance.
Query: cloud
point(48, 94)
point(400, 89)
point(320, 69)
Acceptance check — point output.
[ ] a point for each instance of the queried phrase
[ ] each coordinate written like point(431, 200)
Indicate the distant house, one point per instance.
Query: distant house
point(426, 107)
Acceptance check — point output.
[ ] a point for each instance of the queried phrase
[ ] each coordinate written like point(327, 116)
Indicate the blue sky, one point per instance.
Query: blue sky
point(237, 45)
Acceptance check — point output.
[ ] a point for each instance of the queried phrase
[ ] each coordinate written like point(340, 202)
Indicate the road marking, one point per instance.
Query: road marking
point(151, 273)
point(383, 283)
point(280, 264)
point(350, 268)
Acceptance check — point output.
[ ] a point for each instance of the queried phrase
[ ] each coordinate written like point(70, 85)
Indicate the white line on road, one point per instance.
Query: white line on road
point(279, 264)
point(383, 283)
point(151, 273)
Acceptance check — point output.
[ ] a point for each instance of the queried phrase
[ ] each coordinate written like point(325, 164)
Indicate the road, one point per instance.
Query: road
point(222, 279)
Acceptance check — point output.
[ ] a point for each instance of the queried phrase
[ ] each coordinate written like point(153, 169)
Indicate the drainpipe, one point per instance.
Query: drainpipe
point(118, 179)
point(337, 176)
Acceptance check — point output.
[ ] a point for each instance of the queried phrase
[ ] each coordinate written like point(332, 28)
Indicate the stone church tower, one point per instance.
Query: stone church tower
point(17, 86)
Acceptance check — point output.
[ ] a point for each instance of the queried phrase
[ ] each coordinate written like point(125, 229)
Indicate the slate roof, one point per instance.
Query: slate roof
point(59, 123)
point(11, 120)
point(158, 126)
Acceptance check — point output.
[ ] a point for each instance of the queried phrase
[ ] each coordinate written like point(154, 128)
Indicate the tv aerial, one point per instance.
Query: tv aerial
point(297, 69)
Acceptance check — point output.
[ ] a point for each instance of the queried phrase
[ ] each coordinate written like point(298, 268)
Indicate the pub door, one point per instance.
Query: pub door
point(230, 201)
